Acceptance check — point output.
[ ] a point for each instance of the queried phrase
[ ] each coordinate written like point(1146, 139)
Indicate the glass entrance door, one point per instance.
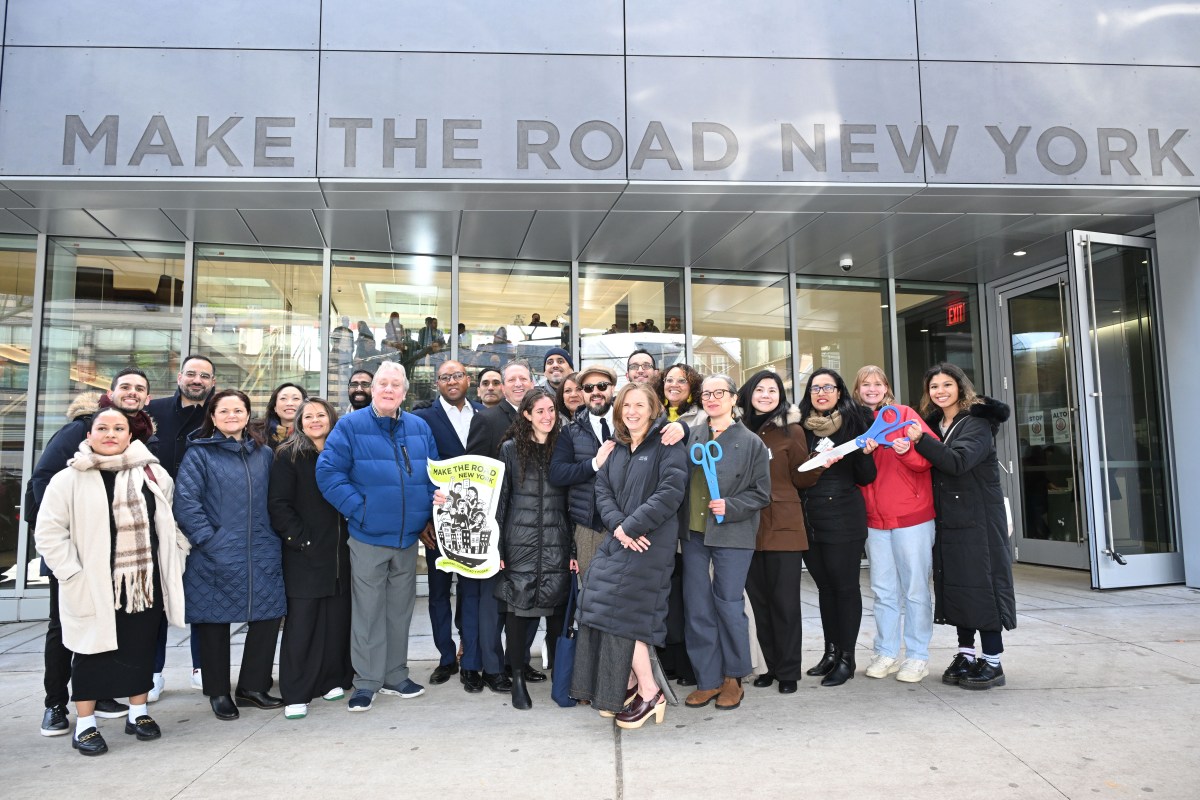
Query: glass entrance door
point(1130, 494)
point(1046, 456)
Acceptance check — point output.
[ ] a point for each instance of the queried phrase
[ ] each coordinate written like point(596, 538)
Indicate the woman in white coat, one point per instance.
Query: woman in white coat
point(106, 530)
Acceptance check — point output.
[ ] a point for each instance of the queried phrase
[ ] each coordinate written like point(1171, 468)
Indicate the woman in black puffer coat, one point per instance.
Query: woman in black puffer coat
point(972, 565)
point(537, 542)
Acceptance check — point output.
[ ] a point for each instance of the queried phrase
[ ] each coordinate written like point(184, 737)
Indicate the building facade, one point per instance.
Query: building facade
point(763, 185)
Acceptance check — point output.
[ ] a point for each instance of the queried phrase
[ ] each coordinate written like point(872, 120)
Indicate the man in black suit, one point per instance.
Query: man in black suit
point(487, 432)
point(450, 418)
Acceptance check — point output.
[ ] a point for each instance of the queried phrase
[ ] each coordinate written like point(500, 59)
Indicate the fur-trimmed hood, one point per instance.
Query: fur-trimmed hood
point(792, 418)
point(989, 409)
point(84, 405)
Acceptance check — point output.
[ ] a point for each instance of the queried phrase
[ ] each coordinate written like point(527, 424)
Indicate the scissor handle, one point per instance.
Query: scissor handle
point(706, 453)
point(881, 427)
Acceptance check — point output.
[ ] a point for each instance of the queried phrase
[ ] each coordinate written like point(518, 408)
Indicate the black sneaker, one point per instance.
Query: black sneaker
point(144, 728)
point(111, 709)
point(54, 721)
point(957, 670)
point(983, 676)
point(90, 743)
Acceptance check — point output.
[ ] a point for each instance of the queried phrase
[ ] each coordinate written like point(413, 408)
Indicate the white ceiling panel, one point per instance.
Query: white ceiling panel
point(624, 235)
point(689, 236)
point(427, 233)
point(560, 235)
point(220, 227)
point(138, 223)
point(284, 228)
point(755, 236)
point(10, 223)
point(493, 234)
point(62, 222)
point(355, 230)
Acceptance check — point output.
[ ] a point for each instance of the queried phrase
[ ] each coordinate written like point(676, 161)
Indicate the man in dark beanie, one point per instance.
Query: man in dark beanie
point(555, 368)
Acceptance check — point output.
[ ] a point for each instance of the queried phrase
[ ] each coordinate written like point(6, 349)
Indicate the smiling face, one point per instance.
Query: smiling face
point(388, 391)
point(765, 397)
point(557, 368)
point(823, 393)
point(943, 391)
point(360, 390)
point(635, 413)
point(598, 391)
point(453, 382)
point(872, 390)
point(572, 395)
point(314, 421)
point(230, 416)
point(516, 383)
point(286, 403)
point(676, 387)
point(640, 369)
point(196, 380)
point(110, 434)
point(130, 394)
point(718, 399)
point(543, 417)
point(490, 389)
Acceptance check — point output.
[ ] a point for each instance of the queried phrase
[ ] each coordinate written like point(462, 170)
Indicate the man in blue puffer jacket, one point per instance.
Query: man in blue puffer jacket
point(373, 471)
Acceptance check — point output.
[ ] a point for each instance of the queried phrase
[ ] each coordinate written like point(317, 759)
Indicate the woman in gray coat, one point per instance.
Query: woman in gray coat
point(623, 605)
point(721, 538)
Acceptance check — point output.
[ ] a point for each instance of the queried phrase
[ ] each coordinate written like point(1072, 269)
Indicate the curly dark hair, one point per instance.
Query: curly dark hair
point(855, 418)
point(529, 452)
point(694, 379)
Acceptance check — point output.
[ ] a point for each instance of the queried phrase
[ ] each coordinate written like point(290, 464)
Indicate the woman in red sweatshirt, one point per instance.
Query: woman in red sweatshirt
point(900, 532)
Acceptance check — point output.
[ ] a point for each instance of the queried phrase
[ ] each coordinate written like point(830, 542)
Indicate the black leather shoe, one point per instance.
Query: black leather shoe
point(144, 728)
point(842, 671)
point(958, 669)
point(764, 680)
point(443, 673)
point(110, 709)
point(472, 680)
point(520, 693)
point(826, 663)
point(54, 721)
point(532, 675)
point(686, 680)
point(257, 699)
point(223, 707)
point(90, 743)
point(787, 687)
point(983, 676)
point(498, 683)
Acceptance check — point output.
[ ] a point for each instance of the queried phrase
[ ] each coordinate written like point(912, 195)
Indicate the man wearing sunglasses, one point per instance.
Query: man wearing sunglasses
point(582, 448)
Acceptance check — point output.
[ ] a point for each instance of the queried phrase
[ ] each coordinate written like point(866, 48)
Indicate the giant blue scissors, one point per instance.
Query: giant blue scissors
point(887, 421)
point(706, 455)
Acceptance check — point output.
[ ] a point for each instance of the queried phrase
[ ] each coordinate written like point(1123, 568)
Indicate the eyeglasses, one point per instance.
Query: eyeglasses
point(675, 381)
point(830, 389)
point(450, 377)
point(204, 376)
point(601, 386)
point(714, 394)
point(646, 367)
point(360, 384)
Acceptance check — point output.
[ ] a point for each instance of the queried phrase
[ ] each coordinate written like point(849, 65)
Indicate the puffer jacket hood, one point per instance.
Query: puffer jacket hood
point(988, 408)
point(84, 405)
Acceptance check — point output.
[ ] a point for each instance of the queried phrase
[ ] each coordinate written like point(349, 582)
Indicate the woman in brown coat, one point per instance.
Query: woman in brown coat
point(773, 584)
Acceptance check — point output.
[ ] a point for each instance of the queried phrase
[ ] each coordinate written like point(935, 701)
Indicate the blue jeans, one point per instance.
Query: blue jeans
point(716, 628)
point(901, 564)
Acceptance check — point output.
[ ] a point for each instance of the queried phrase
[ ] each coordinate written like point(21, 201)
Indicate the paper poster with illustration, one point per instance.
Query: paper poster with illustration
point(465, 527)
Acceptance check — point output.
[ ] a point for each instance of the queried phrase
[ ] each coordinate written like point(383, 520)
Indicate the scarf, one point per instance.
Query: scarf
point(133, 563)
point(754, 418)
point(825, 425)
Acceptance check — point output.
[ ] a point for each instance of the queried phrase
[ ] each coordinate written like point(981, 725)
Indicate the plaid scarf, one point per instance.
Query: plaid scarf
point(133, 563)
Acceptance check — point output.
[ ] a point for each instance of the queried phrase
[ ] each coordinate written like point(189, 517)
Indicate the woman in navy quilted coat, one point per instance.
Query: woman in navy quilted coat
point(235, 570)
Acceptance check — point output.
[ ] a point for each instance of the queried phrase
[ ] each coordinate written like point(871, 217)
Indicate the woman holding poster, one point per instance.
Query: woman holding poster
point(537, 541)
point(623, 606)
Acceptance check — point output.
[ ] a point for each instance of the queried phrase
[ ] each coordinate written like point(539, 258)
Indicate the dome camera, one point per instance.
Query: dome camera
point(846, 263)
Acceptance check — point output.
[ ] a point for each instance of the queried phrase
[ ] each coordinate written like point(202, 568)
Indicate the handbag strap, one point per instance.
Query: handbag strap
point(569, 614)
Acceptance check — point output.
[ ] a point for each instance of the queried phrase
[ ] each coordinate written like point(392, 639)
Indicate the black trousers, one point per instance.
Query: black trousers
point(314, 655)
point(674, 657)
point(57, 670)
point(258, 656)
point(773, 586)
point(990, 642)
point(516, 633)
point(834, 567)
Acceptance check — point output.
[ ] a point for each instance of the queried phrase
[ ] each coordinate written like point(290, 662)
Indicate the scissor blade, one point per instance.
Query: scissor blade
point(822, 459)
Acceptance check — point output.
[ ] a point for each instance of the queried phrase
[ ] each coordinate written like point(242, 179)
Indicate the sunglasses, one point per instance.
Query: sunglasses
point(590, 387)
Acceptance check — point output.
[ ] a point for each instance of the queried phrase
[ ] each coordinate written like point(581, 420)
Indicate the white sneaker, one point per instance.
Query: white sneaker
point(197, 682)
point(157, 689)
point(912, 670)
point(334, 694)
point(881, 666)
point(296, 711)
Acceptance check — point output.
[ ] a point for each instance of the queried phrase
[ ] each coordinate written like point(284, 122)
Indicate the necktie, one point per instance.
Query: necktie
point(605, 433)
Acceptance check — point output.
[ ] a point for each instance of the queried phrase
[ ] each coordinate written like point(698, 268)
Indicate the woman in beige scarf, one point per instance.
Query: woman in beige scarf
point(106, 530)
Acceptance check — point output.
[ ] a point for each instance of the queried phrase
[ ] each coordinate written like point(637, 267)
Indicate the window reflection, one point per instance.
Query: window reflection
point(256, 314)
point(17, 265)
point(842, 325)
point(512, 310)
point(936, 322)
point(741, 324)
point(388, 307)
point(623, 309)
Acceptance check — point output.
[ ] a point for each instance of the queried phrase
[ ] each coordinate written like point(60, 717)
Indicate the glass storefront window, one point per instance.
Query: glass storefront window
point(366, 290)
point(18, 256)
point(741, 325)
point(623, 309)
point(256, 314)
point(842, 325)
point(513, 310)
point(936, 322)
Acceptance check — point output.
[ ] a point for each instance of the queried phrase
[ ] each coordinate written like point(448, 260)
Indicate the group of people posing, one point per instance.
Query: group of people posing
point(675, 507)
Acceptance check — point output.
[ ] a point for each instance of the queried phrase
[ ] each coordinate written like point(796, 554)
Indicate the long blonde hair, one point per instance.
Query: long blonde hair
point(869, 371)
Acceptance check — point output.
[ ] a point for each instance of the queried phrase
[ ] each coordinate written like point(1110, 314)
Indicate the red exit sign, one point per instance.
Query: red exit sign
point(956, 314)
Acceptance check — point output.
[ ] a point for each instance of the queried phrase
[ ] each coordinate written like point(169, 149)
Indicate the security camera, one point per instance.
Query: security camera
point(846, 263)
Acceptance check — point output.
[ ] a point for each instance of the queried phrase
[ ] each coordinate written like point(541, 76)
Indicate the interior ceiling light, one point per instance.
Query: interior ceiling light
point(1019, 253)
point(924, 330)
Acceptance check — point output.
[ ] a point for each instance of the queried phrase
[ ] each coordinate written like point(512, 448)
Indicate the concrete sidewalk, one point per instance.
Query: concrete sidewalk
point(1103, 700)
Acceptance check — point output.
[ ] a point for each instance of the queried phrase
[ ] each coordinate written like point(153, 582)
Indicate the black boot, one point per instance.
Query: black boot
point(842, 671)
point(520, 694)
point(827, 661)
